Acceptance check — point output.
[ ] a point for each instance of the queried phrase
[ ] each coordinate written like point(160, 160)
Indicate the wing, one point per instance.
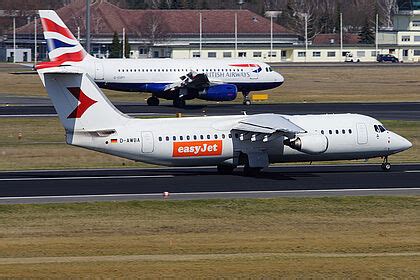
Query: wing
point(268, 124)
point(192, 80)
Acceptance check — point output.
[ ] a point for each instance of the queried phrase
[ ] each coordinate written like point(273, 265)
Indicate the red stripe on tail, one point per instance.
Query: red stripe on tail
point(50, 26)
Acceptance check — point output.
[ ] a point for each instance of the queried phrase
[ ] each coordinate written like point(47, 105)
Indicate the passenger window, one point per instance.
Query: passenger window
point(208, 136)
point(167, 138)
point(223, 136)
point(174, 138)
point(322, 132)
point(336, 131)
point(330, 131)
point(230, 135)
point(201, 137)
point(350, 131)
point(215, 136)
point(181, 138)
point(188, 137)
point(344, 131)
point(160, 139)
point(195, 137)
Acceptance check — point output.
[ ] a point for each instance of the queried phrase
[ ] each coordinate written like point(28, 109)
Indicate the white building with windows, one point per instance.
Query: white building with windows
point(179, 36)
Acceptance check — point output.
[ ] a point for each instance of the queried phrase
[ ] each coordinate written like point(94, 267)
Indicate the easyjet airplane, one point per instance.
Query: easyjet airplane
point(255, 141)
point(172, 79)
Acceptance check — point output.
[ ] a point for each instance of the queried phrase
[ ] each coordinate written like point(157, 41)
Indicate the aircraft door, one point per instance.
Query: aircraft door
point(99, 71)
point(362, 135)
point(147, 145)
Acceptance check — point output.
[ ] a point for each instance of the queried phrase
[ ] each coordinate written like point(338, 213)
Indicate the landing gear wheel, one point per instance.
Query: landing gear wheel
point(386, 166)
point(225, 169)
point(153, 101)
point(247, 101)
point(251, 171)
point(180, 103)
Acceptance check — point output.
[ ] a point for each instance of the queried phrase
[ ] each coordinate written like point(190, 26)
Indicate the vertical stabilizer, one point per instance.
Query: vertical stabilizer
point(62, 45)
point(80, 104)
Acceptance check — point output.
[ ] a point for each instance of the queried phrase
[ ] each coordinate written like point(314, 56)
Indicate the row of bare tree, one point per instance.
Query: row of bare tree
point(323, 15)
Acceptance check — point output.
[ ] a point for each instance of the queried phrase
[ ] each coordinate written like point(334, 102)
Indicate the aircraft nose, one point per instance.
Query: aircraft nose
point(279, 78)
point(399, 143)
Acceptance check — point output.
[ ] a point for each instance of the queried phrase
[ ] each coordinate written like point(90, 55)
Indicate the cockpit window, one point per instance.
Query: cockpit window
point(382, 128)
point(379, 128)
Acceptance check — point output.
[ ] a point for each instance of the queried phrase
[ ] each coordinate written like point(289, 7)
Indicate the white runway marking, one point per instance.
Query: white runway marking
point(202, 193)
point(87, 178)
point(412, 171)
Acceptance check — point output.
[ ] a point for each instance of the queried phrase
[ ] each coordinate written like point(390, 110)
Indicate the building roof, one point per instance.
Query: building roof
point(108, 18)
point(334, 39)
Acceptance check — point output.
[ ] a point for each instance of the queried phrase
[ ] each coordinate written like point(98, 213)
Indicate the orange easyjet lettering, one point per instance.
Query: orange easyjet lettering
point(197, 148)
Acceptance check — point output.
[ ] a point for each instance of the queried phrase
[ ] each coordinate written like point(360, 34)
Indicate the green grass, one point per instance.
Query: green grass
point(247, 227)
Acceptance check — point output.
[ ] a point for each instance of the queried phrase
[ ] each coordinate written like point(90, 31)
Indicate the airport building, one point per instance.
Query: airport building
point(169, 33)
point(176, 34)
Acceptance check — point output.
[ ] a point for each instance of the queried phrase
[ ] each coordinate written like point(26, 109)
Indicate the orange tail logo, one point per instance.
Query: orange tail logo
point(197, 148)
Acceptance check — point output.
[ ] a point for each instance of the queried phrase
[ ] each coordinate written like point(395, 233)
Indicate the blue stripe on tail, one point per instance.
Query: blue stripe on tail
point(55, 44)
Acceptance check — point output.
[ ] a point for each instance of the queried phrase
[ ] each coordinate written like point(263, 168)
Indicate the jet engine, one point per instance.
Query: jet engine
point(222, 92)
point(309, 143)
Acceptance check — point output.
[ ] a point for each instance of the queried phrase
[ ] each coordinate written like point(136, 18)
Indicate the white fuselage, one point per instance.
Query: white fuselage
point(152, 75)
point(211, 140)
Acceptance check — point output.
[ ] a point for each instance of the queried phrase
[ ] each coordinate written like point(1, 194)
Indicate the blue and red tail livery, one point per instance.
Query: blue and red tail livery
point(62, 45)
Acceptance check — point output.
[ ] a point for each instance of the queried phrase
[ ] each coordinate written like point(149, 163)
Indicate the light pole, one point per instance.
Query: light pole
point(14, 40)
point(35, 42)
point(341, 35)
point(271, 37)
point(306, 37)
point(236, 35)
point(201, 34)
point(88, 26)
point(376, 35)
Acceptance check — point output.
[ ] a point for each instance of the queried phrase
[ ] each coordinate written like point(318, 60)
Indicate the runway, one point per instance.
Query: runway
point(205, 183)
point(384, 111)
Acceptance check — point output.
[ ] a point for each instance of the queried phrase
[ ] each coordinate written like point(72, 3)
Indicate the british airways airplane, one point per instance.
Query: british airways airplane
point(171, 79)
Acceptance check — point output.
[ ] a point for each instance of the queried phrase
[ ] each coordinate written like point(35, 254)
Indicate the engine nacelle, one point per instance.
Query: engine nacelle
point(310, 144)
point(223, 92)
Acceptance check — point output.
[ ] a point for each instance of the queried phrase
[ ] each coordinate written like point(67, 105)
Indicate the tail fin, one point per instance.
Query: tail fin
point(62, 45)
point(80, 104)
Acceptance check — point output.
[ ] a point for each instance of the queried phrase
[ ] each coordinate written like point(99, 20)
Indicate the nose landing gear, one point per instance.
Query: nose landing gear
point(386, 166)
point(247, 100)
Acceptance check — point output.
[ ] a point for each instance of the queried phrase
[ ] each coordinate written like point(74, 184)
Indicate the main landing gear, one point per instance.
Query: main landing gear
point(386, 166)
point(180, 103)
point(251, 171)
point(225, 169)
point(247, 100)
point(153, 101)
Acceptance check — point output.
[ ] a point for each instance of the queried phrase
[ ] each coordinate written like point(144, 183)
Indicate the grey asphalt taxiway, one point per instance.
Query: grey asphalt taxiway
point(204, 183)
point(384, 111)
